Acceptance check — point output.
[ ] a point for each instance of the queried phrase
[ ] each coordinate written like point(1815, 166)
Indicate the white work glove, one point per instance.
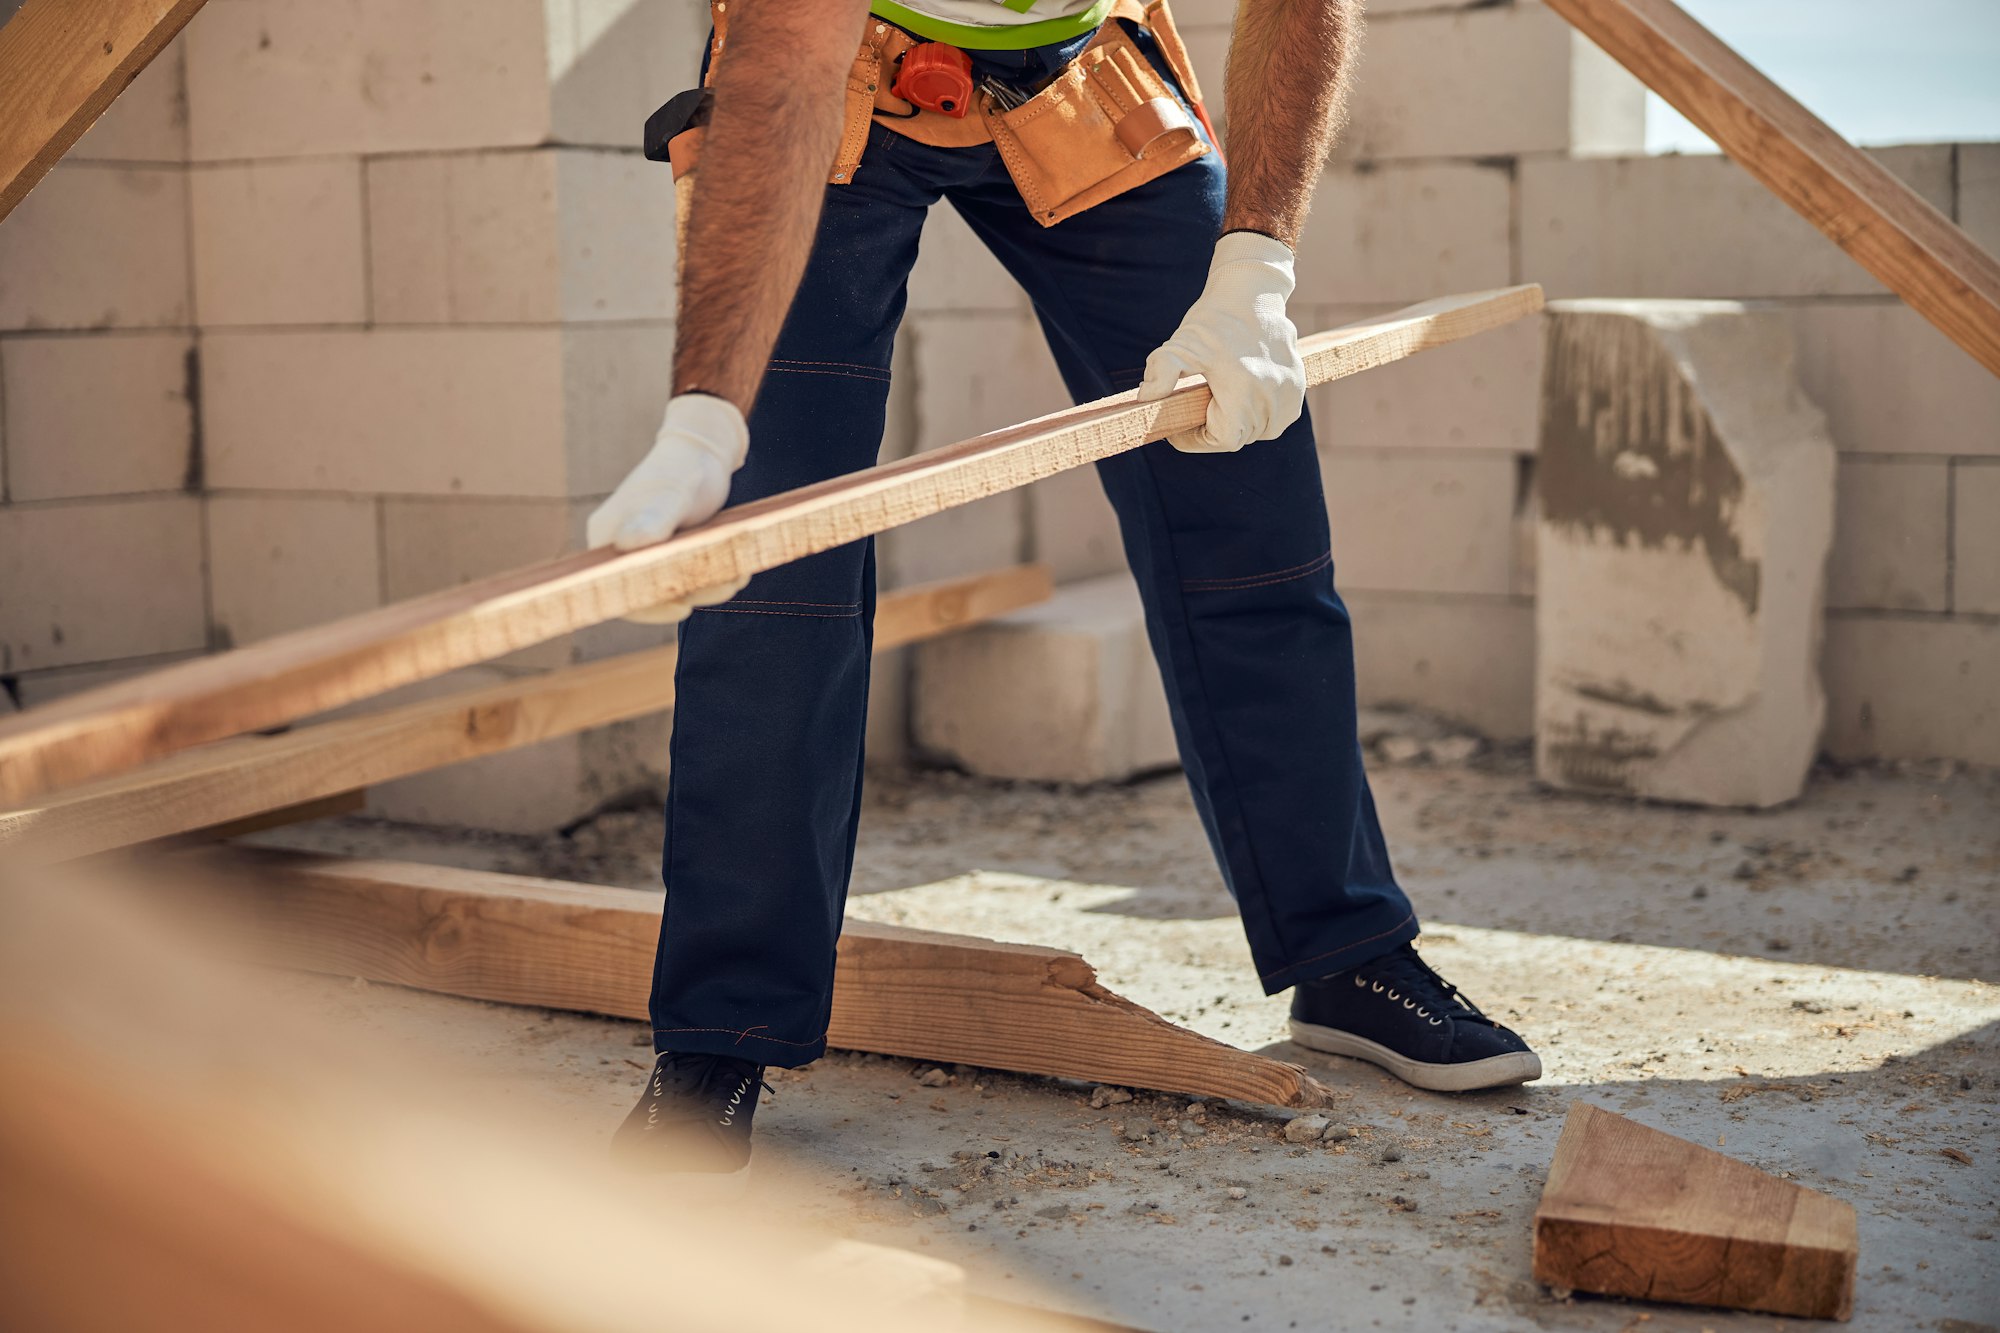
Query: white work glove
point(1237, 337)
point(681, 481)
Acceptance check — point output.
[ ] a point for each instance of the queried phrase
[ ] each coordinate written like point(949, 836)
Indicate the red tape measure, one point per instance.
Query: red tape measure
point(937, 78)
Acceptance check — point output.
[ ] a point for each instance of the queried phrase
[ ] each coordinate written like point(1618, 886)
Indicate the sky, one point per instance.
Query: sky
point(1878, 71)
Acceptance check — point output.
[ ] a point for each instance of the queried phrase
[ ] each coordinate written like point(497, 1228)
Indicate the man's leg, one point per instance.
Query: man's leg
point(1231, 553)
point(771, 689)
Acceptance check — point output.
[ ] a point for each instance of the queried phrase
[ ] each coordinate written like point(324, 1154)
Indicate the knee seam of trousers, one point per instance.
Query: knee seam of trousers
point(1259, 580)
point(872, 376)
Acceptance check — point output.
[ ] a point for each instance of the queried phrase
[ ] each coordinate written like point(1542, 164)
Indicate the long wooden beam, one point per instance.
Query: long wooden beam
point(62, 62)
point(117, 727)
point(236, 779)
point(897, 991)
point(1887, 227)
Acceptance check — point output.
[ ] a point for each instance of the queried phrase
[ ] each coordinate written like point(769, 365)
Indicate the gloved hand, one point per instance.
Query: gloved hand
point(1238, 337)
point(681, 481)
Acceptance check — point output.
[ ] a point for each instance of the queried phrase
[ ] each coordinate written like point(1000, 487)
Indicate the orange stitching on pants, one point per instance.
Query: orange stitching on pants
point(1258, 580)
point(1356, 945)
point(740, 1035)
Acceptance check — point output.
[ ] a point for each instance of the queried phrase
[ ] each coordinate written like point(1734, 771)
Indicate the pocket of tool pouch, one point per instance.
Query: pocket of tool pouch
point(1106, 124)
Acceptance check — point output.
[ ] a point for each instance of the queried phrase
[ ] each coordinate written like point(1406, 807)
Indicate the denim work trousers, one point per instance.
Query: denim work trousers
point(1231, 554)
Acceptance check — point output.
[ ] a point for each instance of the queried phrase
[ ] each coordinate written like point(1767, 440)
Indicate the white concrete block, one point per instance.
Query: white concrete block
point(1074, 528)
point(467, 238)
point(973, 373)
point(148, 122)
point(279, 243)
point(1891, 536)
point(99, 580)
point(283, 562)
point(421, 411)
point(1467, 659)
point(1901, 688)
point(1976, 532)
point(955, 271)
point(272, 78)
point(616, 382)
point(1687, 506)
point(1481, 393)
point(1979, 193)
point(1490, 81)
point(97, 247)
point(1406, 233)
point(1689, 226)
point(1427, 521)
point(1891, 384)
point(433, 543)
point(615, 228)
point(612, 62)
point(102, 415)
point(1062, 692)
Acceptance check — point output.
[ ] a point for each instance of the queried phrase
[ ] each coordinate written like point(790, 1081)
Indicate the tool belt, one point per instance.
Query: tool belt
point(1105, 124)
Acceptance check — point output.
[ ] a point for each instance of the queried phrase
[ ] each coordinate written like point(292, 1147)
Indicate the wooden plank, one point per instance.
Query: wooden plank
point(62, 62)
point(1630, 1211)
point(92, 734)
point(1886, 226)
point(241, 779)
point(897, 991)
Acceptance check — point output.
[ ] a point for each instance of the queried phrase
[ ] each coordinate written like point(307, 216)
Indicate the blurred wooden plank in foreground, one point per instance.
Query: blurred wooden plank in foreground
point(244, 779)
point(897, 991)
point(1629, 1211)
point(1888, 228)
point(189, 1149)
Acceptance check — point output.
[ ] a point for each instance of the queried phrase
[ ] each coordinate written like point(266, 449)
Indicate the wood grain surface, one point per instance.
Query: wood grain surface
point(897, 991)
point(62, 62)
point(238, 779)
point(1888, 228)
point(108, 730)
point(1630, 1211)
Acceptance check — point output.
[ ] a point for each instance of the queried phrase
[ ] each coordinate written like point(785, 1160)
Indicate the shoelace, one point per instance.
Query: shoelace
point(707, 1079)
point(1405, 977)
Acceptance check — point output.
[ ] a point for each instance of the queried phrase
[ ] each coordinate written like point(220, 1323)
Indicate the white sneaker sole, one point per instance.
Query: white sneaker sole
point(1495, 1071)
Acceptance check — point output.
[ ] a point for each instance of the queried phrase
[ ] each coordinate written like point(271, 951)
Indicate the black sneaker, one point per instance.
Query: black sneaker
point(1397, 1013)
point(694, 1116)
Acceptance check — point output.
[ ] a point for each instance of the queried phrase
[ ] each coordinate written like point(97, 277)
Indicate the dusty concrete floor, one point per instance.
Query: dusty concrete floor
point(1809, 989)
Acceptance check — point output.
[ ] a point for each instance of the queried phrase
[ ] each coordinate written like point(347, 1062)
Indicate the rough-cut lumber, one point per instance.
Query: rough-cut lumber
point(240, 779)
point(254, 1166)
point(897, 991)
point(92, 734)
point(62, 62)
point(1887, 228)
point(1629, 1211)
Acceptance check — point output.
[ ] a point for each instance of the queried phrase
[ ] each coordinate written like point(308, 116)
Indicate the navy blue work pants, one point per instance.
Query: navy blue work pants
point(1232, 558)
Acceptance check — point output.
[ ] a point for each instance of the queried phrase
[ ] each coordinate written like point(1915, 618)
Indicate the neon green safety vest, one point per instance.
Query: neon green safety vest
point(994, 25)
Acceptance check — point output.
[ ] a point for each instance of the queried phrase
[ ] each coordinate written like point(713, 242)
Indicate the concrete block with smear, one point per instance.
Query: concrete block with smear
point(94, 581)
point(97, 247)
point(1062, 692)
point(284, 562)
point(104, 414)
point(1687, 508)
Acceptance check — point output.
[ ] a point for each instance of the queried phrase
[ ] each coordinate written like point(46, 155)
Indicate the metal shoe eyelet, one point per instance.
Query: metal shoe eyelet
point(1409, 1004)
point(1359, 982)
point(1393, 995)
point(1437, 1022)
point(1375, 986)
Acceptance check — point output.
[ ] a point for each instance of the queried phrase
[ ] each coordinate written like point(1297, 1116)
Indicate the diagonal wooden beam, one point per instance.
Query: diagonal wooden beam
point(62, 62)
point(251, 775)
point(108, 730)
point(897, 991)
point(1888, 228)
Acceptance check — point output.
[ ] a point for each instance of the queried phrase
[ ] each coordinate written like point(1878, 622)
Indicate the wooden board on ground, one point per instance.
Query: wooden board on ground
point(108, 730)
point(1887, 227)
point(1630, 1211)
point(897, 991)
point(243, 778)
point(62, 62)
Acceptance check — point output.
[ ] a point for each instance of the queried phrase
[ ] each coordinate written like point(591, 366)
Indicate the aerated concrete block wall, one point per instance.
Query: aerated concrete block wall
point(346, 300)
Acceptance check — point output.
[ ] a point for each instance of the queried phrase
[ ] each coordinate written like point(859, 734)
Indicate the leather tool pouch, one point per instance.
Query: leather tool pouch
point(1107, 124)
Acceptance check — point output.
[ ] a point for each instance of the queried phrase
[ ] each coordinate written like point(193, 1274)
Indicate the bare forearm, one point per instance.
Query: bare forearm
point(1289, 62)
point(779, 92)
